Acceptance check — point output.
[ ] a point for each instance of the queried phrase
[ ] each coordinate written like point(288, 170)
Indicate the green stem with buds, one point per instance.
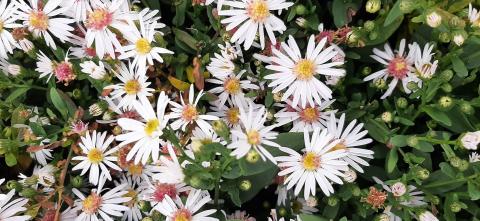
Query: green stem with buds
point(448, 182)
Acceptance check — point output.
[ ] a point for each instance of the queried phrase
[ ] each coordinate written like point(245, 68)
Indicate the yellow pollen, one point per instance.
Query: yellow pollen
point(258, 10)
point(133, 195)
point(304, 69)
point(1, 26)
point(233, 115)
point(132, 87)
point(135, 169)
point(182, 215)
point(142, 46)
point(253, 137)
point(232, 85)
point(189, 113)
point(151, 126)
point(91, 204)
point(309, 114)
point(38, 20)
point(311, 161)
point(95, 156)
point(339, 146)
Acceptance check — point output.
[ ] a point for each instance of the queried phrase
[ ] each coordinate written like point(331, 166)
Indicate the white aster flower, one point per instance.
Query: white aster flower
point(106, 14)
point(474, 157)
point(106, 205)
point(63, 70)
point(170, 171)
point(424, 66)
point(9, 68)
point(318, 165)
point(282, 195)
point(298, 75)
point(176, 210)
point(79, 9)
point(10, 210)
point(41, 155)
point(253, 134)
point(134, 86)
point(156, 191)
point(187, 113)
point(145, 133)
point(398, 66)
point(310, 117)
point(427, 216)
point(229, 114)
point(231, 87)
point(98, 159)
point(201, 137)
point(42, 175)
point(133, 213)
point(93, 70)
point(251, 17)
point(350, 137)
point(46, 21)
point(141, 47)
point(473, 16)
point(7, 22)
point(221, 65)
point(470, 140)
point(412, 197)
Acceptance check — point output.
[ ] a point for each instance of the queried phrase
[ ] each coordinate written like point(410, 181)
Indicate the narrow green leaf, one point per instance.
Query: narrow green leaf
point(10, 159)
point(377, 130)
point(459, 67)
point(393, 14)
point(437, 115)
point(392, 159)
point(16, 93)
point(186, 38)
point(58, 102)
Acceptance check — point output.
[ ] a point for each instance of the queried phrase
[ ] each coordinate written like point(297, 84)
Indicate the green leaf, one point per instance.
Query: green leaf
point(308, 217)
point(16, 93)
point(186, 38)
point(424, 146)
point(37, 129)
point(59, 103)
point(473, 190)
point(180, 10)
point(392, 159)
point(10, 159)
point(393, 14)
point(437, 115)
point(339, 11)
point(377, 130)
point(399, 140)
point(459, 67)
point(153, 4)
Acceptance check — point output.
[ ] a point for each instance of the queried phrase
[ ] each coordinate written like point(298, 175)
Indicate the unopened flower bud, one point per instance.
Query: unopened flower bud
point(350, 176)
point(470, 140)
point(300, 9)
point(444, 37)
point(458, 39)
point(434, 199)
point(463, 165)
point(373, 35)
point(407, 6)
point(380, 83)
point(95, 110)
point(277, 97)
point(302, 22)
point(426, 216)
point(382, 217)
point(398, 189)
point(356, 191)
point(467, 108)
point(412, 86)
point(447, 88)
point(14, 185)
point(144, 206)
point(77, 181)
point(455, 207)
point(221, 128)
point(433, 19)
point(195, 181)
point(402, 102)
point(366, 70)
point(245, 185)
point(252, 156)
point(455, 162)
point(373, 6)
point(412, 141)
point(423, 174)
point(445, 102)
point(117, 130)
point(446, 75)
point(332, 201)
point(387, 117)
point(282, 212)
point(369, 25)
point(147, 219)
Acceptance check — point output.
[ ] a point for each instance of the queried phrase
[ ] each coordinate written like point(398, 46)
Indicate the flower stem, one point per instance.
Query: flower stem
point(61, 184)
point(448, 182)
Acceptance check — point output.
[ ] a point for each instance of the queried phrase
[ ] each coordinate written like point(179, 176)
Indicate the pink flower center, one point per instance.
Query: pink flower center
point(398, 68)
point(64, 72)
point(99, 19)
point(38, 20)
point(182, 215)
point(309, 114)
point(162, 190)
point(92, 203)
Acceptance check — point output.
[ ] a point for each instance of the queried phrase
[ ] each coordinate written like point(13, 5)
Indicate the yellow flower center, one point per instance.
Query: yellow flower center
point(232, 85)
point(258, 10)
point(189, 113)
point(143, 46)
point(309, 114)
point(91, 204)
point(1, 26)
point(182, 215)
point(253, 137)
point(132, 87)
point(99, 19)
point(304, 69)
point(339, 146)
point(135, 169)
point(151, 126)
point(95, 156)
point(233, 115)
point(133, 197)
point(38, 20)
point(311, 161)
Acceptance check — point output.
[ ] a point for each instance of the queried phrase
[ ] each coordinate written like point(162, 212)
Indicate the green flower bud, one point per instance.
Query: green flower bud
point(422, 174)
point(431, 124)
point(76, 181)
point(447, 88)
point(147, 219)
point(195, 181)
point(144, 206)
point(402, 102)
point(463, 165)
point(455, 21)
point(380, 83)
point(226, 37)
point(467, 108)
point(369, 25)
point(257, 63)
point(373, 6)
point(77, 93)
point(252, 156)
point(407, 6)
point(245, 185)
point(445, 102)
point(356, 191)
point(373, 35)
point(446, 75)
point(332, 201)
point(28, 192)
point(455, 207)
point(270, 114)
point(433, 19)
point(353, 37)
point(300, 9)
point(221, 128)
point(14, 185)
point(444, 37)
point(387, 117)
point(412, 141)
point(434, 199)
point(366, 70)
point(117, 130)
point(455, 162)
point(282, 212)
point(412, 86)
point(459, 37)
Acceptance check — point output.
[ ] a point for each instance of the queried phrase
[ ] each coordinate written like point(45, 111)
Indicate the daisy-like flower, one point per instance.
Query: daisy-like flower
point(41, 155)
point(97, 158)
point(42, 175)
point(8, 68)
point(78, 8)
point(170, 171)
point(176, 210)
point(106, 205)
point(253, 135)
point(412, 197)
point(222, 64)
point(46, 21)
point(398, 66)
point(474, 157)
point(141, 47)
point(95, 71)
point(106, 14)
point(317, 165)
point(133, 213)
point(146, 133)
point(310, 117)
point(134, 86)
point(187, 113)
point(7, 21)
point(231, 88)
point(299, 75)
point(201, 137)
point(9, 210)
point(424, 66)
point(63, 71)
point(350, 138)
point(155, 191)
point(250, 17)
point(473, 16)
point(230, 113)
